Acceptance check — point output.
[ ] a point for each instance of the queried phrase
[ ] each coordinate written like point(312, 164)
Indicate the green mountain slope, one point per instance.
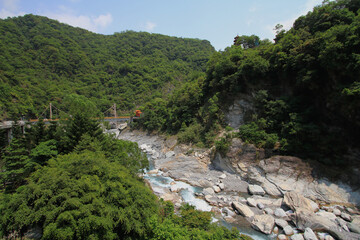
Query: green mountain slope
point(42, 60)
point(304, 88)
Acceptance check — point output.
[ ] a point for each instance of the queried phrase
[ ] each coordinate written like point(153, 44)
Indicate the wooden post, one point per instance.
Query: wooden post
point(115, 110)
point(50, 112)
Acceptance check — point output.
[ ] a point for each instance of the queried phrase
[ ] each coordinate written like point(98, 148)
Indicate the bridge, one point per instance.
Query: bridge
point(22, 123)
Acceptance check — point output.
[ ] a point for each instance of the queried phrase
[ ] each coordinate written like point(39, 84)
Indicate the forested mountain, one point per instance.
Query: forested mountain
point(42, 60)
point(305, 89)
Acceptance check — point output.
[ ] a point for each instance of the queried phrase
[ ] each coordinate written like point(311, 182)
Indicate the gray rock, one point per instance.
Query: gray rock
point(342, 223)
point(222, 176)
point(309, 234)
point(212, 200)
point(256, 190)
point(279, 212)
point(297, 236)
point(350, 210)
point(222, 186)
point(170, 154)
point(208, 191)
point(276, 230)
point(327, 215)
point(260, 206)
point(295, 200)
point(337, 212)
point(243, 209)
point(288, 230)
point(282, 237)
point(271, 189)
point(251, 202)
point(228, 212)
point(264, 223)
point(281, 223)
point(314, 205)
point(345, 216)
point(353, 227)
point(329, 237)
point(216, 189)
point(269, 211)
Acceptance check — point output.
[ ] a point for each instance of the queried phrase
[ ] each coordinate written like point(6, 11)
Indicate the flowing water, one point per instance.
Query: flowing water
point(187, 192)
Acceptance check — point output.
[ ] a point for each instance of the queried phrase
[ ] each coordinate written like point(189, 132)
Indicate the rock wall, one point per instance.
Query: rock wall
point(240, 111)
point(281, 174)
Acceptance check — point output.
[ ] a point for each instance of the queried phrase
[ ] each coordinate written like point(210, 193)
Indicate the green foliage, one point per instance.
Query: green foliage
point(222, 145)
point(17, 164)
point(81, 196)
point(305, 86)
point(44, 151)
point(191, 134)
point(254, 134)
point(191, 224)
point(45, 61)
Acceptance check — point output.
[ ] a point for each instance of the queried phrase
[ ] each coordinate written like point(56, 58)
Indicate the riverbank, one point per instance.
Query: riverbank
point(182, 173)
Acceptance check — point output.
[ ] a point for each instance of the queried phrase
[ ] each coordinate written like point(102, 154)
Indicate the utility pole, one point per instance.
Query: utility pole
point(50, 112)
point(115, 110)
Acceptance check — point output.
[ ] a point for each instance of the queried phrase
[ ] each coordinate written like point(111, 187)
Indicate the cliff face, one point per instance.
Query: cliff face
point(280, 174)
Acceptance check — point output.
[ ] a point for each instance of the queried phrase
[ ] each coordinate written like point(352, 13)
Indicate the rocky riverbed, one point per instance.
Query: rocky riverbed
point(275, 196)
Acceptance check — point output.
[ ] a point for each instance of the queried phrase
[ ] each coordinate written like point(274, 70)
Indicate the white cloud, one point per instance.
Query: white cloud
point(10, 9)
point(149, 26)
point(103, 20)
point(91, 23)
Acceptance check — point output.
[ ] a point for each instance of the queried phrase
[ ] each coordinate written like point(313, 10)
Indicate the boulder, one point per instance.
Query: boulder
point(309, 234)
point(288, 230)
point(342, 223)
point(297, 236)
point(276, 230)
point(251, 202)
point(314, 205)
point(243, 209)
point(337, 212)
point(346, 216)
point(264, 223)
point(208, 191)
point(242, 167)
point(228, 212)
point(279, 212)
point(269, 211)
point(222, 176)
point(211, 199)
point(295, 200)
point(221, 186)
point(216, 189)
point(353, 227)
point(260, 206)
point(271, 189)
point(154, 171)
point(282, 237)
point(256, 190)
point(303, 219)
point(327, 215)
point(170, 154)
point(281, 223)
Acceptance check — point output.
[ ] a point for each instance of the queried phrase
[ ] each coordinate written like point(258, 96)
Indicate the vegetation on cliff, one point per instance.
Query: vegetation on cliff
point(305, 88)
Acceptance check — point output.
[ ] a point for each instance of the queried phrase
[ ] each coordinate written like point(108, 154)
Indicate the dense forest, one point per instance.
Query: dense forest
point(42, 61)
point(304, 87)
point(71, 181)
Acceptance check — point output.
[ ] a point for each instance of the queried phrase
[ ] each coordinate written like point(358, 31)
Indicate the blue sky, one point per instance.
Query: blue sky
point(218, 21)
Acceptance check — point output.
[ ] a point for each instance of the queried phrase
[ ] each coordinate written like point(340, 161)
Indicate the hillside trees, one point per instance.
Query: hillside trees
point(43, 60)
